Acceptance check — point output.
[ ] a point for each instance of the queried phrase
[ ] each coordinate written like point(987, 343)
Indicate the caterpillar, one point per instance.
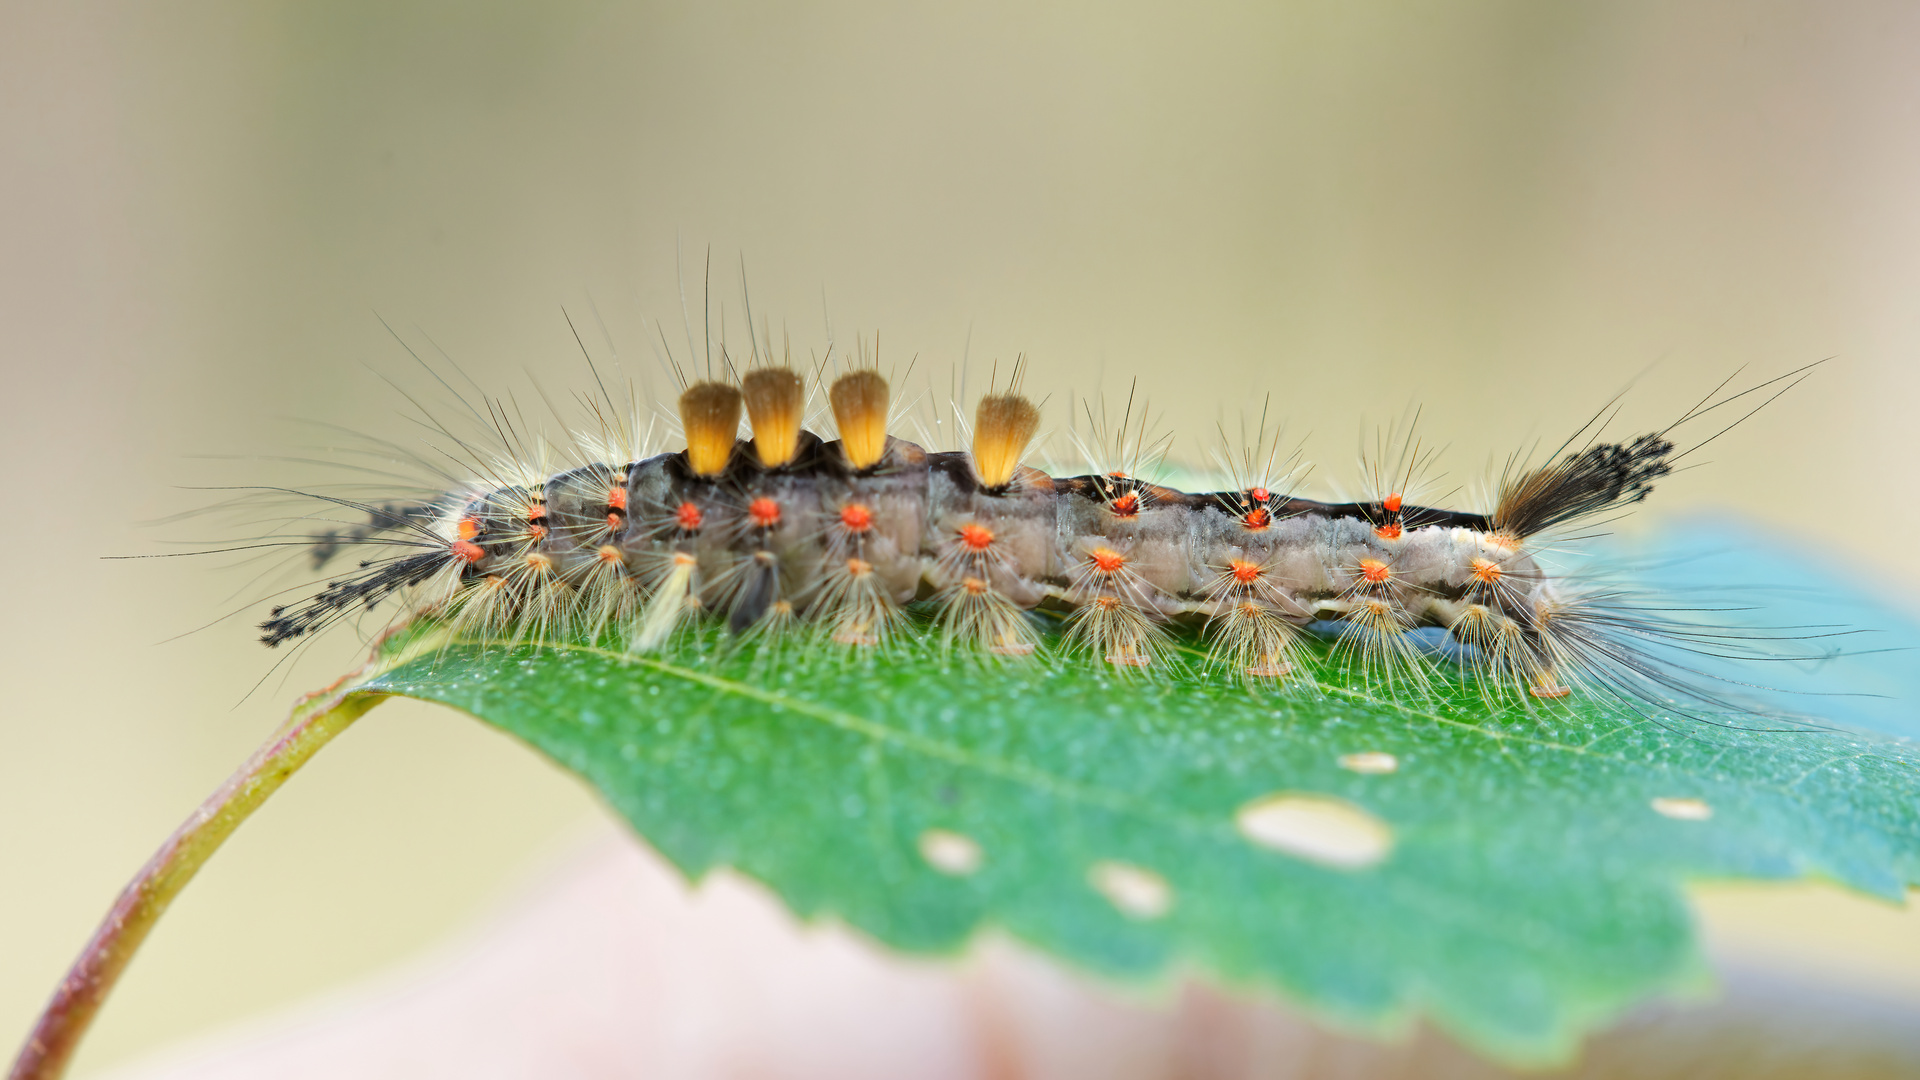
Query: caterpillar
point(867, 536)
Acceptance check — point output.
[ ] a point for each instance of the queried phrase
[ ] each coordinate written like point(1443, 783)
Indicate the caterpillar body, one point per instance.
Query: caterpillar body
point(785, 530)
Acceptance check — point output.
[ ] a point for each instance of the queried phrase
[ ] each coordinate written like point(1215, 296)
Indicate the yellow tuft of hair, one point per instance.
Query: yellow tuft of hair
point(859, 401)
point(775, 400)
point(710, 413)
point(1003, 425)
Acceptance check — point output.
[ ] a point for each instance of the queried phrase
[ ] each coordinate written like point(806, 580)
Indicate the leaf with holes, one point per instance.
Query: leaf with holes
point(1513, 874)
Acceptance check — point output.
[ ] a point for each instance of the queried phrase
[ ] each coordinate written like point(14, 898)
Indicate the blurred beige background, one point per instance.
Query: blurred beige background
point(1502, 211)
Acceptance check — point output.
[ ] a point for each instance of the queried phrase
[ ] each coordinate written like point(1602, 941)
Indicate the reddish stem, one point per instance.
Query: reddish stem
point(56, 1035)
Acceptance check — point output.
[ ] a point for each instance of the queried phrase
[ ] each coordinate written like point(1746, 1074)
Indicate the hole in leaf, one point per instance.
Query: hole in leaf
point(1331, 832)
point(950, 852)
point(1139, 893)
point(1683, 809)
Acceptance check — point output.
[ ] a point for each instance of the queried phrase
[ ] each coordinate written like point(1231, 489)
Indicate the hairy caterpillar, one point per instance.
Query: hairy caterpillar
point(868, 536)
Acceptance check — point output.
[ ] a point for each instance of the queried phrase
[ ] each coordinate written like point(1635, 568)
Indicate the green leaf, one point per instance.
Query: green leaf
point(1513, 877)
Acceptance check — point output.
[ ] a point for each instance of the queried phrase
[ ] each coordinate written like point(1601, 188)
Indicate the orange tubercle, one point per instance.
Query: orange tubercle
point(1244, 573)
point(1391, 503)
point(1127, 505)
point(617, 498)
point(1486, 571)
point(468, 528)
point(689, 517)
point(764, 512)
point(856, 517)
point(1107, 560)
point(1259, 494)
point(1374, 571)
point(977, 537)
point(1257, 519)
point(609, 554)
point(1389, 531)
point(469, 551)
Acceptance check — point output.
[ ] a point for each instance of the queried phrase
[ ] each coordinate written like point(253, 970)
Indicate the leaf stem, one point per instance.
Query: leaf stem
point(57, 1033)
